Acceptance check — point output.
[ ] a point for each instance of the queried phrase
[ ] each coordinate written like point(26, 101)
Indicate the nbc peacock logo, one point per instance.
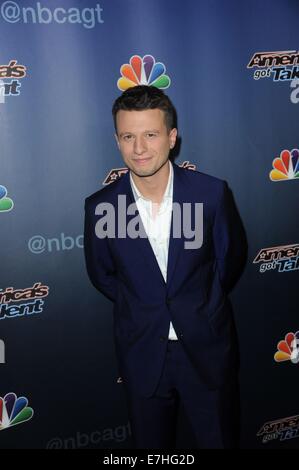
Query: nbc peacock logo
point(6, 204)
point(288, 349)
point(14, 411)
point(143, 71)
point(286, 166)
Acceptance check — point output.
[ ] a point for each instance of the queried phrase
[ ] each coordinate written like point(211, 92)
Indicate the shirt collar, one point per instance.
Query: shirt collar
point(168, 191)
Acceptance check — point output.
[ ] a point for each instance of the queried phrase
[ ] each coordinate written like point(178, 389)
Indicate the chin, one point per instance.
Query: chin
point(140, 172)
point(143, 171)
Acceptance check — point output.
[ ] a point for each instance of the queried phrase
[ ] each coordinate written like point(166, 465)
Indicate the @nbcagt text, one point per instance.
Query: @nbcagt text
point(150, 459)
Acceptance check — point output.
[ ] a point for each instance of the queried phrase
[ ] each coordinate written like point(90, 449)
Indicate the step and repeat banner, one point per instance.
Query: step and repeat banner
point(232, 70)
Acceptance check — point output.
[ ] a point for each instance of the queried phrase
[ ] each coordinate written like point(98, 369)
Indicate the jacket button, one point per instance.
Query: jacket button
point(168, 301)
point(162, 338)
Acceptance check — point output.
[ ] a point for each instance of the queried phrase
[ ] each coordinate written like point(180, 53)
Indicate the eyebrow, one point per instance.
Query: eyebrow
point(149, 131)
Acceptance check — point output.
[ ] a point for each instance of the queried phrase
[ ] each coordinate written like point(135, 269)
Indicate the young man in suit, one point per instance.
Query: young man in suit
point(173, 325)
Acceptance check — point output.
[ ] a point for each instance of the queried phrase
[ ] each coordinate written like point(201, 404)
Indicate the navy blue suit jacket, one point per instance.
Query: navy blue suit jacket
point(194, 297)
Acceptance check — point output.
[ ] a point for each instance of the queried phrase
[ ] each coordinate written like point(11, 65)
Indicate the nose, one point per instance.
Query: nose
point(139, 145)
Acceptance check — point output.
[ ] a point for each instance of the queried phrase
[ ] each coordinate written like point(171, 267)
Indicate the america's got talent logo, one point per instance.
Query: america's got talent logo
point(283, 258)
point(22, 302)
point(10, 76)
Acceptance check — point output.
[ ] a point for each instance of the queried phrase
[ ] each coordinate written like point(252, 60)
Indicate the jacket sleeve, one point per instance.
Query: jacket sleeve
point(98, 258)
point(229, 240)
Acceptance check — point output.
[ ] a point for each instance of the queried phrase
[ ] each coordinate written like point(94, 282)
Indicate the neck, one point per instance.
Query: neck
point(153, 187)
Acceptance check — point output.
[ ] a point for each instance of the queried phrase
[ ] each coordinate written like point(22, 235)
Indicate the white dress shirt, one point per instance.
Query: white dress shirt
point(157, 226)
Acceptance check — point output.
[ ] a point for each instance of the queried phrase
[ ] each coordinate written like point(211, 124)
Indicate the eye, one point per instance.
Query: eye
point(151, 135)
point(127, 137)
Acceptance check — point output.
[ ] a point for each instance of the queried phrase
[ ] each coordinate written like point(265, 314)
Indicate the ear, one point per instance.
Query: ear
point(117, 141)
point(172, 137)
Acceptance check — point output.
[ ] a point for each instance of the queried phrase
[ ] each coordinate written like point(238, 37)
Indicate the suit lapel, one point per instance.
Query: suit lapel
point(142, 246)
point(175, 244)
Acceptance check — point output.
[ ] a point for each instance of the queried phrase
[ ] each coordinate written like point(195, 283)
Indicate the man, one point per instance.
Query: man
point(173, 325)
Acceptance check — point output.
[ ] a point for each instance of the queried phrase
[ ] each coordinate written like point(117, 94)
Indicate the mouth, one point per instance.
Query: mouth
point(141, 161)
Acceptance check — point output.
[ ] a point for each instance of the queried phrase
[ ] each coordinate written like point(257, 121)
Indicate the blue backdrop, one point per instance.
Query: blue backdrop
point(234, 78)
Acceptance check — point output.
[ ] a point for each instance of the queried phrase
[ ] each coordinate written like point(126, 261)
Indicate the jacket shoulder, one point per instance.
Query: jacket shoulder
point(198, 174)
point(196, 178)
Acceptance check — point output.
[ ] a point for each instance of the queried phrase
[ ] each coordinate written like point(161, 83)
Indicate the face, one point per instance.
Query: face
point(144, 140)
